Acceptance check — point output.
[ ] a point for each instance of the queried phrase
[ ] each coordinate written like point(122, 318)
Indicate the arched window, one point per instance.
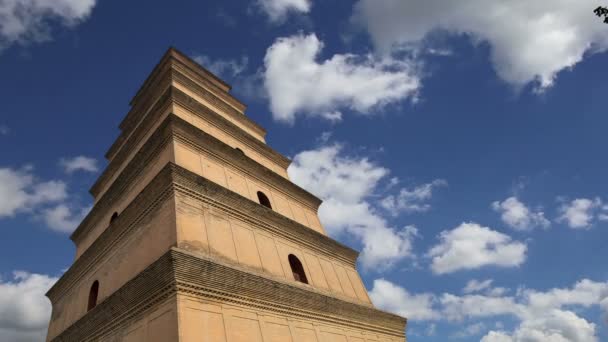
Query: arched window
point(93, 295)
point(297, 269)
point(264, 200)
point(114, 217)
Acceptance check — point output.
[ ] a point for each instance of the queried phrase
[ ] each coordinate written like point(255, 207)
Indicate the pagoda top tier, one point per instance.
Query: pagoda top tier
point(177, 69)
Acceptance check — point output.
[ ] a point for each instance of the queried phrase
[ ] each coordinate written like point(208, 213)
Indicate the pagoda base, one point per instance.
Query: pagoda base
point(189, 297)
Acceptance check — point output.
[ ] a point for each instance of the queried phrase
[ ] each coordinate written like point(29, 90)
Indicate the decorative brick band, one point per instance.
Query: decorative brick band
point(178, 271)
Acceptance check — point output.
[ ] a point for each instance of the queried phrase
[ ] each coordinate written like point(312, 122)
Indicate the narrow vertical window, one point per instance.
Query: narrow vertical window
point(93, 293)
point(114, 217)
point(297, 269)
point(264, 200)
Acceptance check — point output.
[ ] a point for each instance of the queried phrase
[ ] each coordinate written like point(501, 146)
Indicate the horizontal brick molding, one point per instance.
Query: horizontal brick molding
point(178, 271)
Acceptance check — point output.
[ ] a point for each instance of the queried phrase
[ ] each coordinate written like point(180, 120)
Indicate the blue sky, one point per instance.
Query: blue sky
point(460, 147)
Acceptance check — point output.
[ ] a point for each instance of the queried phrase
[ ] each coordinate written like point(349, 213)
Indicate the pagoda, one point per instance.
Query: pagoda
point(197, 234)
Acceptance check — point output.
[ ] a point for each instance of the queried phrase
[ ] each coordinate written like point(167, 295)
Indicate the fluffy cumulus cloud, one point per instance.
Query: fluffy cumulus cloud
point(277, 10)
point(539, 315)
point(79, 163)
point(543, 315)
point(63, 218)
point(396, 299)
point(24, 310)
point(518, 216)
point(581, 213)
point(23, 21)
point(554, 326)
point(20, 191)
point(345, 184)
point(471, 246)
point(412, 200)
point(529, 41)
point(298, 81)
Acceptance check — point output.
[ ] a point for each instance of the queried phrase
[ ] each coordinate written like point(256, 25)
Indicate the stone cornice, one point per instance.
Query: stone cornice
point(177, 66)
point(178, 271)
point(174, 95)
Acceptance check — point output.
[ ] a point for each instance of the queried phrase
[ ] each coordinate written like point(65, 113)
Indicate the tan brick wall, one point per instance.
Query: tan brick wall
point(164, 157)
point(210, 231)
point(151, 239)
point(218, 110)
point(207, 321)
point(245, 184)
point(207, 127)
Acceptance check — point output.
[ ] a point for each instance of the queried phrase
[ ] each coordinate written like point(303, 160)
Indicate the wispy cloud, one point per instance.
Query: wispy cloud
point(517, 215)
point(277, 10)
point(80, 163)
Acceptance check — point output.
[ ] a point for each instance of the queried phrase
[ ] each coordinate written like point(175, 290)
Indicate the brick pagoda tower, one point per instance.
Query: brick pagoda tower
point(197, 234)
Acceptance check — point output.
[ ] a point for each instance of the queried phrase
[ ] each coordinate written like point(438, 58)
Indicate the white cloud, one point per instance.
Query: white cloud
point(277, 10)
point(20, 191)
point(471, 246)
point(297, 83)
point(554, 326)
point(580, 213)
point(528, 40)
point(475, 285)
point(459, 308)
point(79, 163)
point(542, 316)
point(223, 67)
point(518, 216)
point(24, 310)
point(398, 300)
point(62, 218)
point(345, 184)
point(23, 21)
point(412, 200)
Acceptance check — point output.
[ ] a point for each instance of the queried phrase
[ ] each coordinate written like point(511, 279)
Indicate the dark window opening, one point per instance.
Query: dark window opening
point(264, 200)
point(239, 150)
point(93, 295)
point(297, 269)
point(114, 217)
